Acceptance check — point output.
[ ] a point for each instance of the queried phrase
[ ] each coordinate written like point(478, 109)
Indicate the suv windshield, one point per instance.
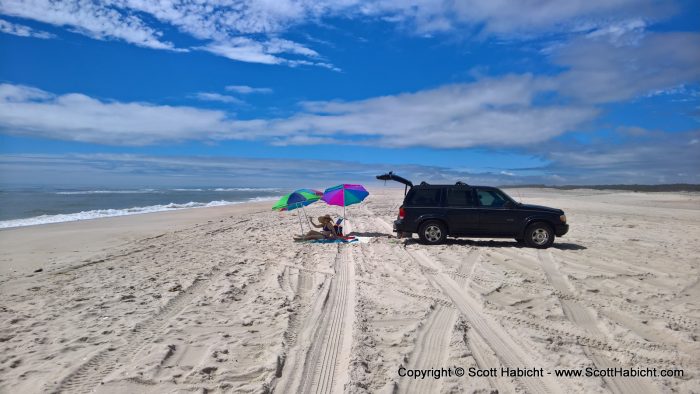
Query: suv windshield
point(491, 198)
point(423, 197)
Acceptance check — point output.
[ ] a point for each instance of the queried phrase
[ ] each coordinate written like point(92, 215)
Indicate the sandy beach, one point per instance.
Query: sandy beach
point(222, 300)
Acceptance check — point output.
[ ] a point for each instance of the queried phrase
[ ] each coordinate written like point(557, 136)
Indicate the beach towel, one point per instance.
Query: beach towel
point(333, 241)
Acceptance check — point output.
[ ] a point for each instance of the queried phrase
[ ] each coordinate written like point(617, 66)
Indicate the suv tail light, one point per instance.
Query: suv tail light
point(402, 213)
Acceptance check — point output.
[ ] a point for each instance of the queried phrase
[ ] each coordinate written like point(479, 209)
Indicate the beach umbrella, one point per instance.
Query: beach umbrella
point(318, 194)
point(344, 195)
point(297, 199)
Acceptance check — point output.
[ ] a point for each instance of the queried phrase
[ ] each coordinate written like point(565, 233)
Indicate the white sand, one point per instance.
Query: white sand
point(222, 300)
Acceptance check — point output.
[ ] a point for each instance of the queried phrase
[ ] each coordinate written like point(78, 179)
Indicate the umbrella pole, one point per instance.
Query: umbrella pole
point(300, 226)
point(306, 216)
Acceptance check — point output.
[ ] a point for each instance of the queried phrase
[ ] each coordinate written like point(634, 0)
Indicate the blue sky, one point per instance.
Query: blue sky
point(251, 92)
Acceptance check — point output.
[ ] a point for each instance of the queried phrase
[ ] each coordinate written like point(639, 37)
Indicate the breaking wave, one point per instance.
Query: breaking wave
point(103, 213)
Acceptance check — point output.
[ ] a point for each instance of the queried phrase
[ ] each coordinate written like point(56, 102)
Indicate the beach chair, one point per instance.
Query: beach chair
point(338, 227)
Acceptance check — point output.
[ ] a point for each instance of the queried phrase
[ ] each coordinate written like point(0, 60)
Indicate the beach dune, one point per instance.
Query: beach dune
point(222, 300)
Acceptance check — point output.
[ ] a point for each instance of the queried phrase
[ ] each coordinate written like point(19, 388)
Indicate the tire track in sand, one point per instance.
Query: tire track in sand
point(481, 350)
point(431, 351)
point(584, 318)
point(432, 344)
point(323, 344)
point(90, 374)
point(508, 351)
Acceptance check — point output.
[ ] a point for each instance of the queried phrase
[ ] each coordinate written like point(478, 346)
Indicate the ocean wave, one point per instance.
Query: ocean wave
point(138, 191)
point(269, 198)
point(246, 189)
point(102, 213)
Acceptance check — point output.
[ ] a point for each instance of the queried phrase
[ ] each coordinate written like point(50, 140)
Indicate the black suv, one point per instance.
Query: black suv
point(461, 210)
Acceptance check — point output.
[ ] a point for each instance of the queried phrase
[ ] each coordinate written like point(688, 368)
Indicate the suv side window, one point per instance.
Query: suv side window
point(490, 198)
point(424, 198)
point(460, 197)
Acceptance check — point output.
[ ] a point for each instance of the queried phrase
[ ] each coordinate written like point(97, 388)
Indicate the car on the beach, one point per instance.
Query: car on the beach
point(435, 212)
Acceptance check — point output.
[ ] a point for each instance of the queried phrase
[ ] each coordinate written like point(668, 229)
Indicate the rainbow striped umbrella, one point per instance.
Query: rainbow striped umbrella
point(344, 195)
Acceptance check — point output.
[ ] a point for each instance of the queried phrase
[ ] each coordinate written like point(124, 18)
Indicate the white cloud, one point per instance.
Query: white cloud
point(22, 31)
point(92, 19)
point(19, 93)
point(646, 161)
point(266, 52)
point(222, 98)
point(623, 32)
point(501, 111)
point(512, 19)
point(497, 112)
point(250, 30)
point(77, 117)
point(244, 89)
point(228, 29)
point(601, 71)
point(243, 50)
point(635, 158)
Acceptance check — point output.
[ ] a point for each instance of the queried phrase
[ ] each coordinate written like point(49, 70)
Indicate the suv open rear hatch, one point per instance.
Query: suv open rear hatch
point(390, 176)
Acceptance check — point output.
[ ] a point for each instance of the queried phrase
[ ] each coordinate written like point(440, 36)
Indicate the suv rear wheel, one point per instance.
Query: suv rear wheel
point(432, 232)
point(539, 235)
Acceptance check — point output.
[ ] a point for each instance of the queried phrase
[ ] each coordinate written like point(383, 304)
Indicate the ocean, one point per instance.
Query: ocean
point(31, 207)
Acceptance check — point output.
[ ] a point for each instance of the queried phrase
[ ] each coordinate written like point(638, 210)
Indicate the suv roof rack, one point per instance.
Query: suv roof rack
point(460, 183)
point(424, 183)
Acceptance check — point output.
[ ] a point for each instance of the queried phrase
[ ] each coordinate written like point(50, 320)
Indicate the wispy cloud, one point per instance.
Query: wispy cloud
point(115, 169)
point(267, 52)
point(513, 20)
point(490, 112)
point(252, 30)
point(244, 89)
point(222, 98)
point(245, 32)
point(243, 50)
point(602, 71)
point(95, 20)
point(642, 156)
point(77, 117)
point(500, 111)
point(644, 162)
point(486, 113)
point(22, 30)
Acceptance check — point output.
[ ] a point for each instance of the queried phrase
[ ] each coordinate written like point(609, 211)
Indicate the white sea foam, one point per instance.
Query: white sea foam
point(245, 189)
point(138, 191)
point(257, 199)
point(102, 213)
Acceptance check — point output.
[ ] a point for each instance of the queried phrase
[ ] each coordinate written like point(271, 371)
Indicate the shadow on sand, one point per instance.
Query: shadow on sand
point(498, 244)
point(370, 234)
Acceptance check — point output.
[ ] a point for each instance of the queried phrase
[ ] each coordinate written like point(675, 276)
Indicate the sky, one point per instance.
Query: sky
point(302, 92)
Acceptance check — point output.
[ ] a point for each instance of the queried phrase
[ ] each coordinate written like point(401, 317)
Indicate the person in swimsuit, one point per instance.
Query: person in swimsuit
point(326, 226)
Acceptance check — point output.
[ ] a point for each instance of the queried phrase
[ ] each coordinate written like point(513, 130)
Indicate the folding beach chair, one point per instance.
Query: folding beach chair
point(338, 227)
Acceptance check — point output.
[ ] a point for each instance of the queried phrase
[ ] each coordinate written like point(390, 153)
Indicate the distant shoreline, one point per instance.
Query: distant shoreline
point(672, 187)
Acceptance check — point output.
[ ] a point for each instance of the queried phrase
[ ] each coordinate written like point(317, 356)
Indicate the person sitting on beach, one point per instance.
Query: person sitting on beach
point(326, 226)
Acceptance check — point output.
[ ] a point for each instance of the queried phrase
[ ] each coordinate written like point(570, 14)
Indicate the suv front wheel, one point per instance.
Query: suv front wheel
point(539, 235)
point(432, 232)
